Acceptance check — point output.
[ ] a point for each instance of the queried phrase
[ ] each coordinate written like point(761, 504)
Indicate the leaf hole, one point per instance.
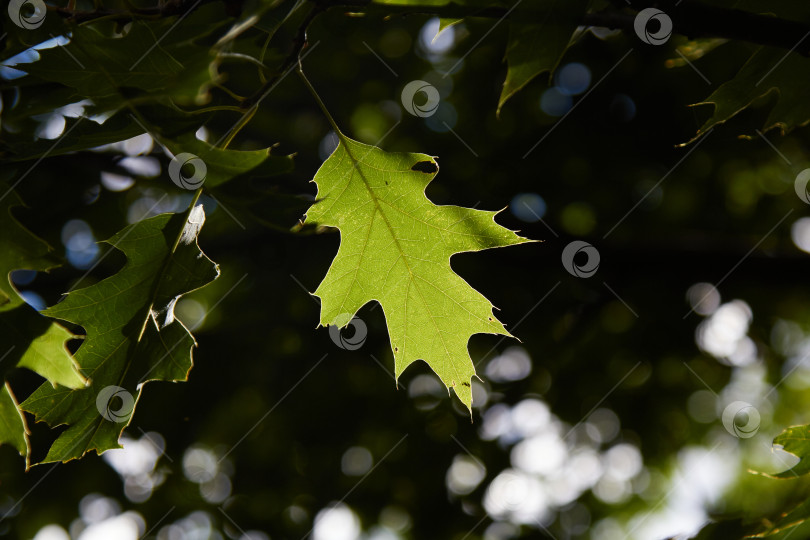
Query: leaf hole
point(425, 166)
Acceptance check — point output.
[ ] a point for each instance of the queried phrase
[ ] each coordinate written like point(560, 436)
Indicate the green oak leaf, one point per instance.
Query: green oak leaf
point(20, 38)
point(132, 335)
point(533, 49)
point(27, 338)
point(795, 440)
point(80, 134)
point(85, 133)
point(163, 57)
point(13, 430)
point(768, 72)
point(224, 164)
point(395, 248)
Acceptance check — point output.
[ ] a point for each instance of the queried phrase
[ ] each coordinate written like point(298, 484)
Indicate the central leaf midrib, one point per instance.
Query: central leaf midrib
point(167, 259)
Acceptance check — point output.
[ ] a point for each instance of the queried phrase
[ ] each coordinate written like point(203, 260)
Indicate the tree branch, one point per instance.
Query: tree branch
point(169, 8)
point(297, 46)
point(694, 20)
point(690, 18)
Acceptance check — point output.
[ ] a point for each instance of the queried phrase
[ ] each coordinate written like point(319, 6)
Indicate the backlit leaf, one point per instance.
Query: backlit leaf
point(395, 248)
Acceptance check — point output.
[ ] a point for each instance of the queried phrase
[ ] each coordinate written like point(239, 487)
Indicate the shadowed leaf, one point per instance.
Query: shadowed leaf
point(769, 72)
point(27, 339)
point(533, 49)
point(132, 335)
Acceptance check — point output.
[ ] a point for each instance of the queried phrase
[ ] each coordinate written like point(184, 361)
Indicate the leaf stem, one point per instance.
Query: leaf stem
point(228, 91)
point(319, 101)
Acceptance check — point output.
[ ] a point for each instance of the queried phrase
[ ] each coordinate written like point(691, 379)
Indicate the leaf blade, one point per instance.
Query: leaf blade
point(132, 336)
point(768, 71)
point(534, 49)
point(795, 440)
point(372, 196)
point(27, 338)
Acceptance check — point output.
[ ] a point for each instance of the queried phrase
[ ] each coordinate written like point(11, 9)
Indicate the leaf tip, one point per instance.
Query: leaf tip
point(463, 391)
